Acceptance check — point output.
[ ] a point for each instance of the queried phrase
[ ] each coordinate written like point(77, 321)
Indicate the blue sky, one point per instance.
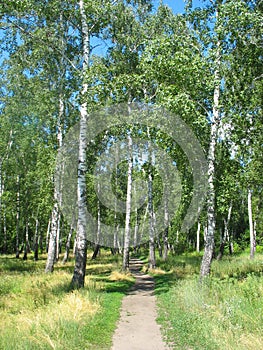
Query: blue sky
point(177, 5)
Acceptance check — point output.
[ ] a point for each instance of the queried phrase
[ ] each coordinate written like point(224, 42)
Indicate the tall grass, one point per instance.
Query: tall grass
point(225, 312)
point(39, 311)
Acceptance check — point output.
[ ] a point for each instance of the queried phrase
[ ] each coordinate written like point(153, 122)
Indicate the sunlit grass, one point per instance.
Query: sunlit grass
point(225, 312)
point(40, 311)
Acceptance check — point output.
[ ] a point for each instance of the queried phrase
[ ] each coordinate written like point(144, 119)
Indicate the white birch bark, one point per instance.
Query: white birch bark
point(166, 225)
point(2, 206)
point(17, 215)
point(52, 240)
point(55, 216)
point(126, 245)
point(26, 245)
point(209, 244)
point(98, 238)
point(48, 234)
point(152, 261)
point(36, 238)
point(78, 278)
point(251, 226)
point(198, 236)
point(53, 253)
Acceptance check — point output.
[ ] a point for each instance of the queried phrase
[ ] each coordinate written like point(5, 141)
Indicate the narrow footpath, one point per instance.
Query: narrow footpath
point(137, 328)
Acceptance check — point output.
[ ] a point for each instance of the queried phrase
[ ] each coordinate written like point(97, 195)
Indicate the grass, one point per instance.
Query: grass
point(39, 311)
point(225, 312)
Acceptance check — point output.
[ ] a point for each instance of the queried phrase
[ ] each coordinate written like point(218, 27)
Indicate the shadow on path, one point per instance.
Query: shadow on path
point(137, 328)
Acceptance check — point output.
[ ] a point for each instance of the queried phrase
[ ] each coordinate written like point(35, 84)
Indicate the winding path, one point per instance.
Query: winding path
point(137, 328)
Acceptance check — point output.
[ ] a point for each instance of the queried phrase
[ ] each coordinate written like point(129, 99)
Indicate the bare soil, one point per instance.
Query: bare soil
point(137, 328)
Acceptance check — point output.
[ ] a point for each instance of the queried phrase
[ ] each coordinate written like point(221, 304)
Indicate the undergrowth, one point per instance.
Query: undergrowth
point(39, 311)
point(223, 312)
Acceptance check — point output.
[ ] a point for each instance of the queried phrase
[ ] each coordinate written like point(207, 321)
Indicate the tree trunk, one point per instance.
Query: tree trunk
point(55, 216)
point(36, 240)
point(5, 230)
point(251, 226)
point(47, 235)
point(97, 246)
point(225, 236)
point(136, 227)
point(17, 215)
point(1, 194)
point(166, 225)
point(26, 246)
point(160, 248)
point(198, 237)
point(78, 278)
point(2, 207)
point(126, 245)
point(58, 236)
point(209, 244)
point(152, 261)
point(52, 240)
point(66, 255)
point(96, 252)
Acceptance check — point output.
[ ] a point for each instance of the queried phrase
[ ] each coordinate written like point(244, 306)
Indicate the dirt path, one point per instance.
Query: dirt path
point(137, 328)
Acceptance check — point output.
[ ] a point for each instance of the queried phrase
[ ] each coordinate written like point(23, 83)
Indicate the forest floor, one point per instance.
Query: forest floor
point(137, 328)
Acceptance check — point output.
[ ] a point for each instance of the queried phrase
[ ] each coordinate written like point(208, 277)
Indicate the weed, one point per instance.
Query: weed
point(225, 312)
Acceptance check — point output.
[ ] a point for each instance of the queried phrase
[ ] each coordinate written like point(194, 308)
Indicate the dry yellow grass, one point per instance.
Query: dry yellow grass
point(158, 271)
point(120, 276)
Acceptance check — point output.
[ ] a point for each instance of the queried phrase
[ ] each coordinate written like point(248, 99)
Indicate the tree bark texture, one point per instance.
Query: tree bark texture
point(79, 273)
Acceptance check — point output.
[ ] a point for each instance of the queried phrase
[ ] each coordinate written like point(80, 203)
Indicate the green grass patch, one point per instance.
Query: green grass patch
point(225, 312)
point(40, 311)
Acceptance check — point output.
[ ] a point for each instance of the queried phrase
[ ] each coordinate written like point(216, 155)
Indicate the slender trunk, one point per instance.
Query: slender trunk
point(52, 240)
point(17, 215)
point(5, 230)
point(205, 233)
point(126, 245)
point(136, 230)
point(2, 213)
point(36, 240)
point(48, 234)
point(74, 246)
point(160, 247)
point(53, 245)
point(2, 207)
point(26, 246)
point(198, 236)
point(209, 244)
point(231, 245)
point(166, 225)
point(136, 227)
point(225, 236)
point(78, 278)
point(116, 243)
point(251, 226)
point(58, 236)
point(66, 255)
point(222, 243)
point(152, 261)
point(1, 194)
point(97, 246)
